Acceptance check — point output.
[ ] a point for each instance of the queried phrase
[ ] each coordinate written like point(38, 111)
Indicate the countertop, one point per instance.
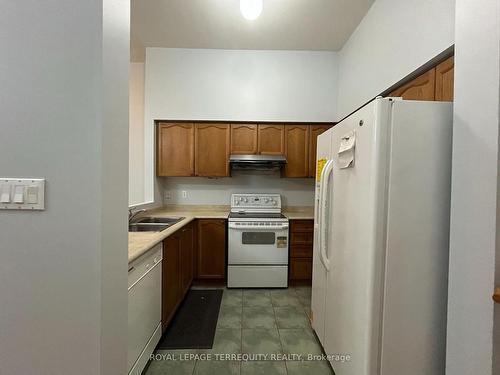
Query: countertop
point(140, 242)
point(299, 212)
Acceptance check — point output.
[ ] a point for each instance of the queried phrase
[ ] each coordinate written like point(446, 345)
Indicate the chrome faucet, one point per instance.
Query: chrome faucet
point(132, 214)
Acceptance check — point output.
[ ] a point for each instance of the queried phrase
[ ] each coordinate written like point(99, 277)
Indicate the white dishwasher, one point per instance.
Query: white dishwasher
point(144, 308)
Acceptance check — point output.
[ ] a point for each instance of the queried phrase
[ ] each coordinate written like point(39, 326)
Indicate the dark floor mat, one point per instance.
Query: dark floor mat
point(194, 324)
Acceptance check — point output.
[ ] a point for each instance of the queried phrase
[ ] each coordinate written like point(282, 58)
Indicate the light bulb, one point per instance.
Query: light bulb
point(251, 9)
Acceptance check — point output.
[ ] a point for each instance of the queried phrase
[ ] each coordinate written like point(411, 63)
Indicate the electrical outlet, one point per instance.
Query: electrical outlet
point(184, 194)
point(167, 195)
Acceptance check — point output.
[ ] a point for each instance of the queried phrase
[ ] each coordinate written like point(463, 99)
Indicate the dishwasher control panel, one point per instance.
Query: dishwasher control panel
point(142, 265)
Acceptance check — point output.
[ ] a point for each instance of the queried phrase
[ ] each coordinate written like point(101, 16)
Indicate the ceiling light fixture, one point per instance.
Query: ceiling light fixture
point(251, 9)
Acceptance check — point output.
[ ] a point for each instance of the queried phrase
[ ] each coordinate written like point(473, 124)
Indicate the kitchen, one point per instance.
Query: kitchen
point(239, 162)
point(297, 201)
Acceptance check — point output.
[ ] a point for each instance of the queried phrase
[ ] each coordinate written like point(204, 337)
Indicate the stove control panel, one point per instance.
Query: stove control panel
point(260, 202)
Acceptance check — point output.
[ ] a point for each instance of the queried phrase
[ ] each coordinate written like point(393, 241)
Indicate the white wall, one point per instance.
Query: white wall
point(474, 206)
point(64, 106)
point(113, 122)
point(294, 191)
point(197, 84)
point(394, 38)
point(136, 134)
point(207, 84)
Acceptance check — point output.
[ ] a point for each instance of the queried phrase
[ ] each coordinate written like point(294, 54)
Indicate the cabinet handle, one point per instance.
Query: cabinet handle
point(496, 295)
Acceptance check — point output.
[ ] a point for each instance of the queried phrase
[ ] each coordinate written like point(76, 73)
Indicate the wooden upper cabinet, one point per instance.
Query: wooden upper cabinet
point(211, 254)
point(421, 88)
point(444, 80)
point(212, 149)
point(297, 150)
point(244, 139)
point(314, 132)
point(175, 149)
point(271, 139)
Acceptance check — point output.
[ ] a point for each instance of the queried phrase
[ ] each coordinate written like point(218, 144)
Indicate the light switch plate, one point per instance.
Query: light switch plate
point(28, 192)
point(5, 193)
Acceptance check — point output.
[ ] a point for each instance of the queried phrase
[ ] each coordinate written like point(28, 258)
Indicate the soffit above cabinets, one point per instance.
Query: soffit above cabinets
point(283, 25)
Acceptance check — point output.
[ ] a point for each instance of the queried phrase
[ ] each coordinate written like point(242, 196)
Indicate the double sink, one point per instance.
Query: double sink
point(152, 224)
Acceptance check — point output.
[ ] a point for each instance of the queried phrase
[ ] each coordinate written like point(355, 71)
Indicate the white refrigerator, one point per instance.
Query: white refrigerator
point(380, 263)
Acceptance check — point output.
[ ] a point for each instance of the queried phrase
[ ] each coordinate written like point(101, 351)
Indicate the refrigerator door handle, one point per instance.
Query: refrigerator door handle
point(317, 215)
point(320, 209)
point(325, 178)
point(319, 222)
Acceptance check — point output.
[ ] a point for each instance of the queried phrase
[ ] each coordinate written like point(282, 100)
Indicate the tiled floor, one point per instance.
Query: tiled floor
point(256, 329)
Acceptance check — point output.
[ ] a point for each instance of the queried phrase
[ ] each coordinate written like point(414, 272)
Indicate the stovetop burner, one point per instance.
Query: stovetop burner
point(253, 215)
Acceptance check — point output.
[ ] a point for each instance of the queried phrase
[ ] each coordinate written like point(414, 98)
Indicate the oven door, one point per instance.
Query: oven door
point(257, 245)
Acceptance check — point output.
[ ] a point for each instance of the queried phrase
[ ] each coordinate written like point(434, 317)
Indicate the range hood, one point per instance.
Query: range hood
point(257, 162)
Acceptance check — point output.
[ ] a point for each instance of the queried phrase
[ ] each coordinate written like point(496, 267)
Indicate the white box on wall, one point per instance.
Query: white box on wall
point(22, 194)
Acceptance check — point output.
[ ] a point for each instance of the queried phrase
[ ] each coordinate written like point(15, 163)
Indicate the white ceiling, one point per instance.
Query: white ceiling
point(283, 24)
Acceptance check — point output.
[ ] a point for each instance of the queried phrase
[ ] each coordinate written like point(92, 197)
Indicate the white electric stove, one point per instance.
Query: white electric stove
point(258, 242)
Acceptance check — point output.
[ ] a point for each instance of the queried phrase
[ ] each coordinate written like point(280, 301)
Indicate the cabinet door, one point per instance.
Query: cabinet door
point(300, 269)
point(302, 225)
point(271, 139)
point(301, 251)
point(187, 257)
point(211, 255)
point(175, 149)
point(244, 139)
point(315, 130)
point(297, 150)
point(421, 88)
point(301, 232)
point(444, 80)
point(171, 288)
point(212, 150)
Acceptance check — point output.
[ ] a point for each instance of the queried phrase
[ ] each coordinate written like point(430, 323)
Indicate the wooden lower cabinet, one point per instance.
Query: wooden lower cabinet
point(301, 238)
point(199, 245)
point(171, 282)
point(177, 270)
point(211, 249)
point(301, 250)
point(300, 269)
point(187, 257)
point(302, 226)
